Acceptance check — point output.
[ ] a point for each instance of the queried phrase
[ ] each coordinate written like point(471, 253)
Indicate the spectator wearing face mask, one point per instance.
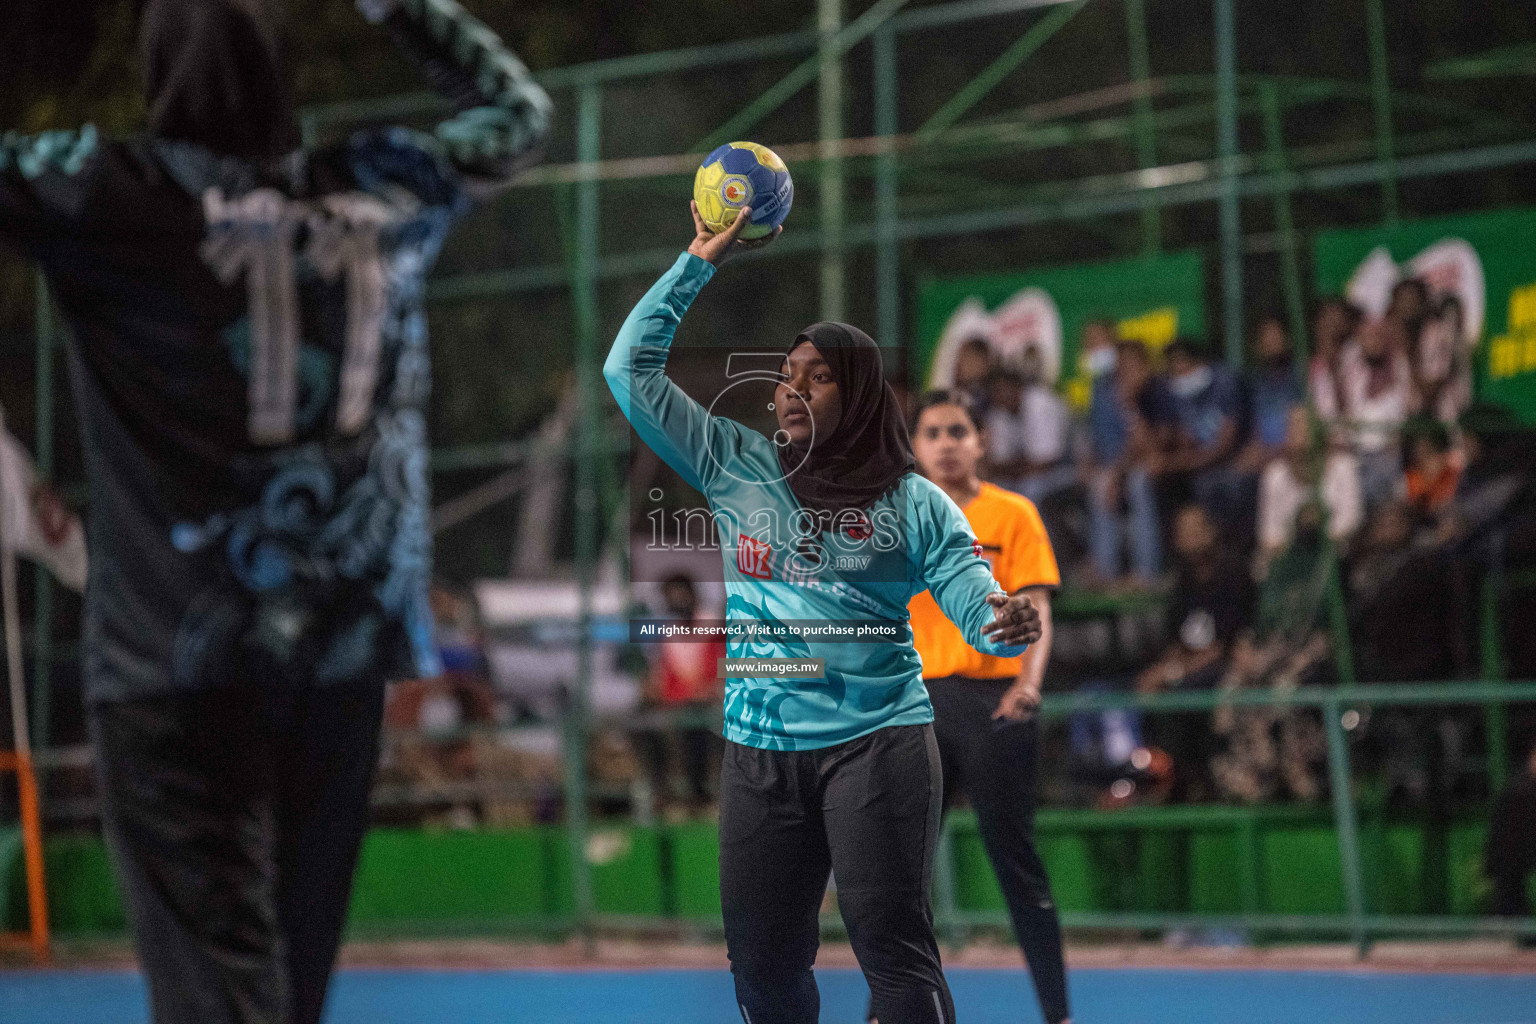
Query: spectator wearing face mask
point(1127, 405)
point(1205, 427)
point(1099, 339)
point(1377, 385)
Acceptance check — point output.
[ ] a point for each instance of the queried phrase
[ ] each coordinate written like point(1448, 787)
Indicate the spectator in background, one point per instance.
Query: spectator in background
point(1480, 526)
point(1434, 467)
point(1333, 326)
point(1442, 363)
point(1490, 486)
point(1029, 431)
point(1402, 612)
point(1273, 391)
point(34, 521)
point(1211, 606)
point(1307, 471)
point(1100, 336)
point(1205, 409)
point(1409, 303)
point(684, 676)
point(1276, 750)
point(1125, 407)
point(1377, 385)
point(432, 746)
point(1004, 419)
point(973, 369)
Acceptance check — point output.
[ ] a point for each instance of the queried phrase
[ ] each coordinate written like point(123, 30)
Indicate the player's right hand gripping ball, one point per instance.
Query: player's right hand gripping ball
point(743, 174)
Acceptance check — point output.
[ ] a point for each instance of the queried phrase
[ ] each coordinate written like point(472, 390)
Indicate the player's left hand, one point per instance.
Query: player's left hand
point(1020, 702)
point(719, 248)
point(1015, 622)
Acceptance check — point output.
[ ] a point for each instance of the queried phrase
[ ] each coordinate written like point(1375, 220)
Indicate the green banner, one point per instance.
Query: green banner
point(1481, 275)
point(1153, 300)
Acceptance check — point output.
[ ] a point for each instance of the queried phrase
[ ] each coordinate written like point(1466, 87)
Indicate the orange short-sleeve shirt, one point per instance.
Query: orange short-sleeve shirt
point(1014, 541)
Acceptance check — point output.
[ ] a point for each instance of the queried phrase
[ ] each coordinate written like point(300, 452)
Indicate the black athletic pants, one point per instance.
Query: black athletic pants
point(234, 817)
point(867, 810)
point(995, 763)
point(1511, 853)
point(696, 746)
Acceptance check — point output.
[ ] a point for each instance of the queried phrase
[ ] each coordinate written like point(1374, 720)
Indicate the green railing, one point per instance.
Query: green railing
point(1358, 922)
point(525, 881)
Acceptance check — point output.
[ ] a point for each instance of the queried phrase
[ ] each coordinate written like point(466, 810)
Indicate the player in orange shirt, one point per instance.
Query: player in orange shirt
point(984, 707)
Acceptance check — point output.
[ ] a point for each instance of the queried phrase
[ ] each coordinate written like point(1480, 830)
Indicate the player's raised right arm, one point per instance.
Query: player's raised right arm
point(674, 426)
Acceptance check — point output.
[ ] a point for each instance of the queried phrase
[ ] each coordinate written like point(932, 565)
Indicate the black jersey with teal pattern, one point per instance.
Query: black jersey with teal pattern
point(248, 354)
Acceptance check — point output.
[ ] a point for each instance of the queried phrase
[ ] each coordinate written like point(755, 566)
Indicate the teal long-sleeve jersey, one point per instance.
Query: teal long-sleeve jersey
point(779, 572)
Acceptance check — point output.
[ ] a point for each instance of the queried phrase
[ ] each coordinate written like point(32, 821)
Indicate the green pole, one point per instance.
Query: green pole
point(584, 298)
point(1231, 202)
point(42, 617)
point(775, 95)
point(1285, 224)
point(1338, 622)
point(829, 22)
point(1381, 103)
point(1346, 822)
point(887, 252)
point(1146, 130)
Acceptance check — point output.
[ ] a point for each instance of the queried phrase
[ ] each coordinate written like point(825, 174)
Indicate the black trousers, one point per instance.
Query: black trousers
point(1510, 857)
point(995, 763)
point(868, 811)
point(234, 817)
point(696, 746)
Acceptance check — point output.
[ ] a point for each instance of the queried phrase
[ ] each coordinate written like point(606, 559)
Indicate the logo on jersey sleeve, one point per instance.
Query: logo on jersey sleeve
point(976, 547)
point(752, 558)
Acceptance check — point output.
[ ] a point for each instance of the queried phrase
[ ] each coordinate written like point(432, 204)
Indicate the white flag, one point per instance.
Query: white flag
point(37, 524)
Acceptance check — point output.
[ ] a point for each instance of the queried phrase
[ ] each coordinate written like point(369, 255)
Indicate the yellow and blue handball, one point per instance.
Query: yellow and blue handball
point(743, 174)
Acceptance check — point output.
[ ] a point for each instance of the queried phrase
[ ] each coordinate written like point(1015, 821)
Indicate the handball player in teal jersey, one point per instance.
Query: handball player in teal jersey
point(826, 522)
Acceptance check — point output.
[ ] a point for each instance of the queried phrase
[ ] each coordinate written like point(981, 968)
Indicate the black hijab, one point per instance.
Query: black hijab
point(214, 74)
point(870, 450)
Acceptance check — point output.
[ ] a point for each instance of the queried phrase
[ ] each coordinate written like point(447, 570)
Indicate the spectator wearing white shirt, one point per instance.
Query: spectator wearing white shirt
point(1333, 325)
point(1302, 475)
point(1377, 385)
point(1029, 431)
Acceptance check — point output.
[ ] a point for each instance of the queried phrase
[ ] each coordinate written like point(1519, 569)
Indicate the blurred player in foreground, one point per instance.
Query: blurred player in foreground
point(249, 358)
point(983, 705)
point(834, 768)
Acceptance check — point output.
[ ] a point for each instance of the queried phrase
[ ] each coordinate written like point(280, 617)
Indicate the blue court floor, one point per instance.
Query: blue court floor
point(1101, 996)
